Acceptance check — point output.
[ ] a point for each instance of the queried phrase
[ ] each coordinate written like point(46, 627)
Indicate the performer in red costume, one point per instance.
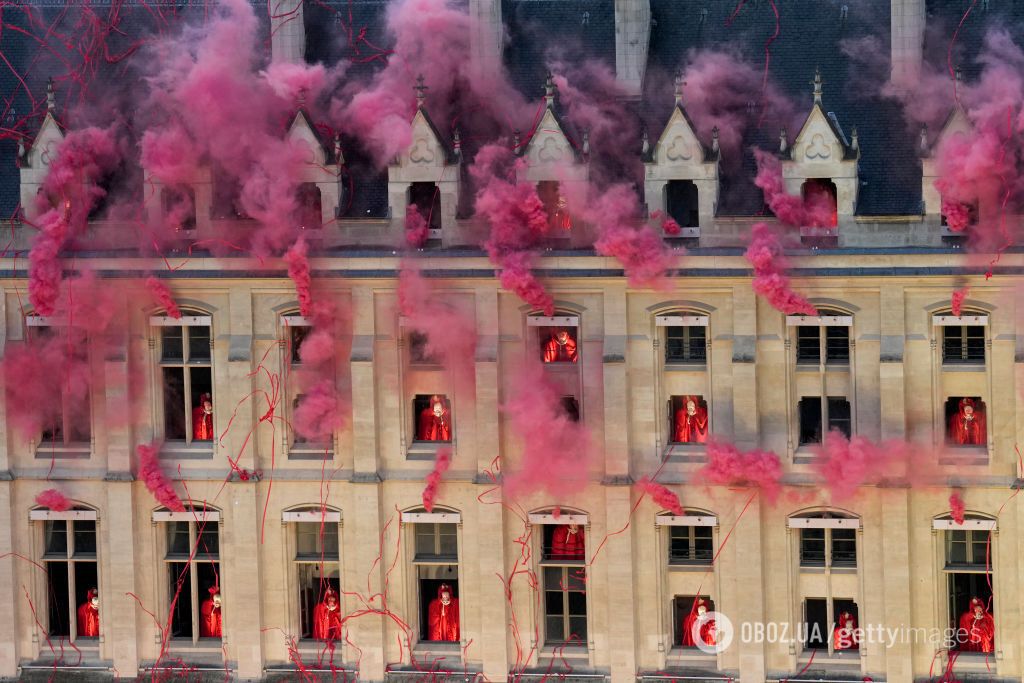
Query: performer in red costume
point(967, 426)
point(691, 422)
point(818, 194)
point(560, 348)
point(699, 621)
point(202, 419)
point(327, 617)
point(560, 219)
point(89, 615)
point(435, 422)
point(844, 633)
point(210, 617)
point(977, 629)
point(567, 542)
point(443, 615)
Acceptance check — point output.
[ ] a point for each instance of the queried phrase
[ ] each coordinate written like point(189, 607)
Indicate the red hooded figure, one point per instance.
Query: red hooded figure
point(89, 615)
point(967, 426)
point(691, 424)
point(977, 628)
point(560, 348)
point(560, 219)
point(443, 615)
point(210, 617)
point(327, 617)
point(706, 628)
point(567, 542)
point(435, 423)
point(844, 633)
point(202, 419)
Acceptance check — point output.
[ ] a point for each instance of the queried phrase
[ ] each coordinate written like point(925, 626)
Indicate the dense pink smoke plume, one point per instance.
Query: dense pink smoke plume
point(556, 451)
point(668, 224)
point(450, 331)
point(441, 464)
point(53, 499)
point(817, 210)
point(957, 300)
point(770, 280)
point(68, 194)
point(518, 223)
point(321, 410)
point(957, 507)
point(718, 88)
point(844, 464)
point(643, 254)
point(154, 478)
point(162, 294)
point(298, 270)
point(958, 216)
point(661, 495)
point(417, 230)
point(728, 466)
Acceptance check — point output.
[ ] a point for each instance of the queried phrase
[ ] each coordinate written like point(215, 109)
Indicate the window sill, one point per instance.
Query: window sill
point(685, 366)
point(679, 653)
point(694, 566)
point(568, 651)
point(311, 452)
point(975, 661)
point(964, 456)
point(71, 451)
point(685, 452)
point(443, 647)
point(805, 454)
point(963, 367)
point(558, 562)
point(182, 451)
point(425, 450)
point(843, 658)
point(204, 645)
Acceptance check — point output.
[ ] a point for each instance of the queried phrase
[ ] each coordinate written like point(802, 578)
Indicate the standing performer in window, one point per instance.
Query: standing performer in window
point(327, 617)
point(977, 628)
point(435, 422)
point(560, 348)
point(967, 426)
point(567, 542)
point(691, 422)
point(211, 621)
point(844, 635)
point(202, 419)
point(89, 615)
point(443, 617)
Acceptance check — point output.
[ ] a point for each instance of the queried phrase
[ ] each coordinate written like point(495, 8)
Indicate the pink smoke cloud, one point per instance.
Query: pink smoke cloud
point(770, 280)
point(152, 475)
point(54, 500)
point(162, 295)
point(441, 464)
point(845, 465)
point(728, 466)
point(661, 495)
point(668, 224)
point(321, 410)
point(416, 228)
point(957, 300)
point(816, 210)
point(518, 223)
point(957, 507)
point(557, 452)
point(298, 270)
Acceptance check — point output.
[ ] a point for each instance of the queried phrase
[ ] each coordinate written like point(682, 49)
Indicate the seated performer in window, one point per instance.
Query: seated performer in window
point(977, 628)
point(567, 542)
point(89, 615)
point(202, 419)
point(435, 421)
point(844, 634)
point(691, 421)
point(967, 425)
point(327, 617)
point(443, 618)
point(560, 347)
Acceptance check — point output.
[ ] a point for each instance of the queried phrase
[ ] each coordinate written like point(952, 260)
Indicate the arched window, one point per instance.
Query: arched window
point(310, 207)
point(564, 575)
point(819, 196)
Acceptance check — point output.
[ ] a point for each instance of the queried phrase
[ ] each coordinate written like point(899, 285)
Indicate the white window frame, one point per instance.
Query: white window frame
point(290, 519)
point(42, 589)
point(158, 322)
point(681, 320)
point(415, 596)
point(194, 518)
point(553, 321)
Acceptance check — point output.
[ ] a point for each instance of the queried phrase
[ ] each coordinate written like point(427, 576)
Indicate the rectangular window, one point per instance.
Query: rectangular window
point(839, 415)
point(193, 588)
point(432, 416)
point(810, 420)
point(844, 547)
point(69, 556)
point(68, 422)
point(427, 199)
point(828, 547)
point(965, 421)
point(187, 377)
point(969, 597)
point(436, 564)
point(812, 547)
point(317, 569)
point(816, 634)
point(690, 545)
point(565, 605)
point(966, 548)
point(296, 335)
point(688, 419)
point(963, 345)
point(686, 344)
point(808, 345)
point(837, 345)
point(571, 408)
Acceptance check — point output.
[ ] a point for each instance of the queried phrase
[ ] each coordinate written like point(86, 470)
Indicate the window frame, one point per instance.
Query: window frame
point(825, 417)
point(574, 572)
point(827, 318)
point(290, 364)
point(542, 563)
point(437, 518)
point(40, 446)
point(984, 528)
point(194, 517)
point(292, 522)
point(157, 323)
point(41, 518)
point(828, 522)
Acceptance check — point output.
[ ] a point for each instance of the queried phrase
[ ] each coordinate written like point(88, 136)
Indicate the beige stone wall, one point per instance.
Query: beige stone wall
point(896, 381)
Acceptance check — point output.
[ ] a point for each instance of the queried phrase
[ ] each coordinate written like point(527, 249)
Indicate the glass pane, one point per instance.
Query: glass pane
point(555, 629)
point(844, 547)
point(174, 404)
point(808, 344)
point(209, 540)
point(553, 579)
point(704, 547)
point(577, 604)
point(179, 593)
point(55, 539)
point(449, 540)
point(177, 539)
point(812, 547)
point(553, 602)
point(979, 547)
point(578, 629)
point(199, 344)
point(837, 344)
point(298, 335)
point(85, 537)
point(576, 579)
point(425, 539)
point(171, 344)
point(57, 597)
point(957, 550)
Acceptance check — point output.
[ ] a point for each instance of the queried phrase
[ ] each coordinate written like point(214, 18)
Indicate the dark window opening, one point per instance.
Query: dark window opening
point(430, 589)
point(318, 584)
point(970, 596)
point(426, 197)
point(432, 415)
point(844, 547)
point(964, 344)
point(846, 621)
point(179, 208)
point(816, 631)
point(691, 545)
point(965, 421)
point(681, 203)
point(117, 186)
point(967, 549)
point(819, 196)
point(180, 593)
point(296, 335)
point(310, 207)
point(558, 344)
point(808, 344)
point(419, 351)
point(69, 419)
point(839, 415)
point(837, 344)
point(226, 200)
point(686, 344)
point(571, 408)
point(556, 206)
point(958, 216)
point(812, 547)
point(686, 613)
point(57, 581)
point(565, 605)
point(809, 410)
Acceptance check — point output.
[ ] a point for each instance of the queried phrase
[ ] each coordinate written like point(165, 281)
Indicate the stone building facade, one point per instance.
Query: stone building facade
point(887, 359)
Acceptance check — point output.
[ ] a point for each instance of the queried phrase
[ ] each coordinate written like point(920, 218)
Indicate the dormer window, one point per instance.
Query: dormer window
point(310, 207)
point(179, 208)
point(426, 198)
point(819, 196)
point(681, 203)
point(559, 220)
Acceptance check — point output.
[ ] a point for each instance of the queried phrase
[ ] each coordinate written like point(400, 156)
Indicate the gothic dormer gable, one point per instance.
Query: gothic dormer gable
point(44, 147)
point(820, 140)
point(679, 144)
point(427, 147)
point(550, 146)
point(956, 125)
point(302, 130)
